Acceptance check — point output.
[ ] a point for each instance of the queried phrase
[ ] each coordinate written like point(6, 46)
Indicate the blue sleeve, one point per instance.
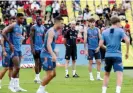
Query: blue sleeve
point(123, 34)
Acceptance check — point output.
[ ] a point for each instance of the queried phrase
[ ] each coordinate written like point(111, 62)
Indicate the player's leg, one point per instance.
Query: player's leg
point(90, 58)
point(37, 66)
point(74, 57)
point(67, 57)
point(40, 65)
point(5, 67)
point(118, 68)
point(108, 67)
point(5, 64)
point(14, 79)
point(49, 67)
point(98, 61)
point(14, 83)
point(2, 73)
point(105, 82)
point(10, 72)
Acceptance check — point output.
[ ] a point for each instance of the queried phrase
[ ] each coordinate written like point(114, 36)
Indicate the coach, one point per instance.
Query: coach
point(71, 48)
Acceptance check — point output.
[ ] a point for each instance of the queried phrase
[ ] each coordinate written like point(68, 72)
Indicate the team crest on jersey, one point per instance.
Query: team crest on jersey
point(49, 67)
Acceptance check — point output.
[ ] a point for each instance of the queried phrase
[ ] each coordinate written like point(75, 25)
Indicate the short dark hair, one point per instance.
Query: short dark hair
point(91, 20)
point(126, 21)
point(115, 20)
point(58, 18)
point(20, 14)
point(77, 23)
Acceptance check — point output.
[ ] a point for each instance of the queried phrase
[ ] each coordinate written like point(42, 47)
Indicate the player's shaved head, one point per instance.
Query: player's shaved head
point(58, 19)
point(58, 22)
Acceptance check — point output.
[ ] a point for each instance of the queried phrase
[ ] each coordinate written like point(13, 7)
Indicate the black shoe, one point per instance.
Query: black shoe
point(75, 76)
point(67, 76)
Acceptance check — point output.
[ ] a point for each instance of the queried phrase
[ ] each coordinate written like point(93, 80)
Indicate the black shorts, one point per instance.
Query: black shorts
point(71, 52)
point(102, 51)
point(37, 54)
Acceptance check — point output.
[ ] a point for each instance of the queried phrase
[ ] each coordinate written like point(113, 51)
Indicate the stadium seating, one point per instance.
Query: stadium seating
point(93, 4)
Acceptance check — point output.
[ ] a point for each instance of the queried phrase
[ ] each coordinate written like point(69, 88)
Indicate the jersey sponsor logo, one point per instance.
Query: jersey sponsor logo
point(49, 67)
point(18, 34)
point(39, 34)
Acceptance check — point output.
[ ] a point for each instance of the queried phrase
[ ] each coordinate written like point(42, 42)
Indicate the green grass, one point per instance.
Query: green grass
point(71, 85)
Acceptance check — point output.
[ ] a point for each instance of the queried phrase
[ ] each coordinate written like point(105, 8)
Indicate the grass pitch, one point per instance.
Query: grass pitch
point(70, 85)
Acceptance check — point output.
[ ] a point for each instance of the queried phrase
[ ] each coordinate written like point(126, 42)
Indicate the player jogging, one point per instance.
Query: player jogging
point(36, 37)
point(15, 43)
point(48, 56)
point(6, 56)
point(112, 37)
point(91, 37)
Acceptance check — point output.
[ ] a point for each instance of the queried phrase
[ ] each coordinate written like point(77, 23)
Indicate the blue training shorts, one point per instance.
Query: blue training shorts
point(6, 60)
point(92, 54)
point(115, 62)
point(17, 53)
point(48, 64)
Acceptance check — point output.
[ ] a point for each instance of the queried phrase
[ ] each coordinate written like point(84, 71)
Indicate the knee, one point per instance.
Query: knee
point(67, 61)
point(54, 75)
point(73, 61)
point(36, 63)
point(51, 75)
point(107, 74)
point(17, 68)
point(98, 63)
point(10, 69)
point(90, 62)
point(6, 68)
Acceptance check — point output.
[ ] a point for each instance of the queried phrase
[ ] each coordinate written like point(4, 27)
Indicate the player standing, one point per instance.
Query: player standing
point(48, 56)
point(91, 37)
point(112, 37)
point(15, 43)
point(6, 56)
point(37, 37)
point(70, 38)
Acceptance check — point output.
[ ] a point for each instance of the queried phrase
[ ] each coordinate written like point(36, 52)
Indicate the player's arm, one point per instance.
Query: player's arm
point(65, 38)
point(44, 33)
point(127, 41)
point(101, 42)
point(49, 47)
point(85, 40)
point(5, 31)
point(65, 41)
point(2, 45)
point(100, 37)
point(32, 31)
point(85, 45)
